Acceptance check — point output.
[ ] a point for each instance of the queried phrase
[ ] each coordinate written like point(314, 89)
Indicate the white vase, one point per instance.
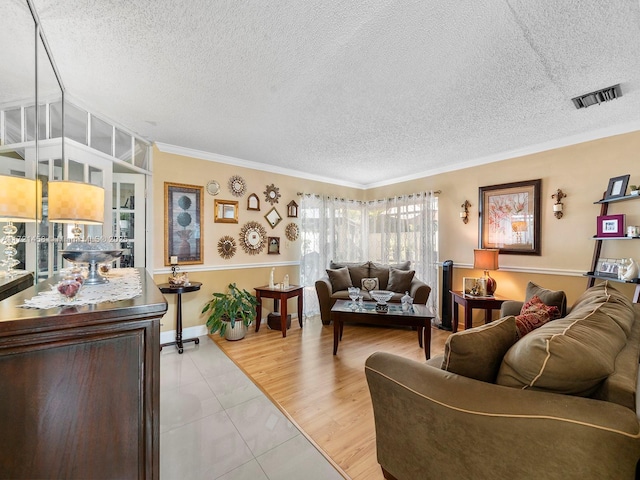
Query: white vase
point(238, 331)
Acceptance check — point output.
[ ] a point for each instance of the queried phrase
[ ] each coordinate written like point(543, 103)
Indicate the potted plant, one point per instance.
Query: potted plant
point(634, 189)
point(231, 313)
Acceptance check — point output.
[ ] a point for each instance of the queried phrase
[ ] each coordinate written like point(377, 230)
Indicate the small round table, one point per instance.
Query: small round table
point(179, 290)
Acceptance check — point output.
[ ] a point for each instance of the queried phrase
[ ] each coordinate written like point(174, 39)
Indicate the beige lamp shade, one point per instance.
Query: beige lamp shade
point(76, 202)
point(18, 199)
point(485, 259)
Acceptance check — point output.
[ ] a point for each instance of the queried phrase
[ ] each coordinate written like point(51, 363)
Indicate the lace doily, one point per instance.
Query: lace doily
point(124, 283)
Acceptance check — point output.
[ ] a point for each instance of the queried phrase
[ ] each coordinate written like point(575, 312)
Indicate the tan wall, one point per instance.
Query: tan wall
point(582, 172)
point(247, 271)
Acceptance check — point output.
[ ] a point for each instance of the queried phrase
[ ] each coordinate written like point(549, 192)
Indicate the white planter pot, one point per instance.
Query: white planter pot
point(238, 331)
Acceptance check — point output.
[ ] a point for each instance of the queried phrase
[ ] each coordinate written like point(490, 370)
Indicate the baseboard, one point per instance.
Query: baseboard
point(190, 332)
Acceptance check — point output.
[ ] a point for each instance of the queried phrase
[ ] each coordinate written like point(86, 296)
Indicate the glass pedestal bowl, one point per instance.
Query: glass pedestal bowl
point(381, 297)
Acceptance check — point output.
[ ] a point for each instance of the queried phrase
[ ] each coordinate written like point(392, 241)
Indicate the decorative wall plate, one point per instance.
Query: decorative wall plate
point(213, 187)
point(237, 185)
point(227, 247)
point(252, 237)
point(272, 194)
point(292, 232)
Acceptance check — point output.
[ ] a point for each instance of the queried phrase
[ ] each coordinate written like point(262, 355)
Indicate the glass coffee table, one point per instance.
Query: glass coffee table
point(418, 316)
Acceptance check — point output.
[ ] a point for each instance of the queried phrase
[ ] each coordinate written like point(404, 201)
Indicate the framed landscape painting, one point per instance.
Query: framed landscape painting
point(183, 210)
point(510, 217)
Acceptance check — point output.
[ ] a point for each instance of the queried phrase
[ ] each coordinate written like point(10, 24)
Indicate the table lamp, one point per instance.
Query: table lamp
point(76, 202)
point(487, 259)
point(18, 198)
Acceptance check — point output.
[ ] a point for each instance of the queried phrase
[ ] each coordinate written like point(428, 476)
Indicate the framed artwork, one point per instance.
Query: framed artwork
point(225, 211)
point(617, 187)
point(611, 225)
point(476, 287)
point(183, 209)
point(273, 245)
point(510, 217)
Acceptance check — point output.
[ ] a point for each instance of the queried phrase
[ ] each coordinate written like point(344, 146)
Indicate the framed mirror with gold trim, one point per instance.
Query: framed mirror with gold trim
point(225, 211)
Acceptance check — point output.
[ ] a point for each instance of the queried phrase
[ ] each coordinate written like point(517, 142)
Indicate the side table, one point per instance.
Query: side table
point(469, 303)
point(166, 288)
point(279, 295)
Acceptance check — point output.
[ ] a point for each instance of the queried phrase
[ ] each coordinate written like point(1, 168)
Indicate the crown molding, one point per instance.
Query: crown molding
point(238, 162)
point(520, 152)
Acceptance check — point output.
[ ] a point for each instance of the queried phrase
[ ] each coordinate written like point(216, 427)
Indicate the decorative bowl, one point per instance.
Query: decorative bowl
point(69, 288)
point(381, 296)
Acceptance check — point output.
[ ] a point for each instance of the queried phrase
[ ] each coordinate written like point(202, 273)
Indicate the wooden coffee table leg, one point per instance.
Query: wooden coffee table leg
point(420, 335)
point(336, 334)
point(427, 339)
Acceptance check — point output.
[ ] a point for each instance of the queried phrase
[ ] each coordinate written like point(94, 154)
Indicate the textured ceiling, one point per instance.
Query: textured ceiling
point(364, 92)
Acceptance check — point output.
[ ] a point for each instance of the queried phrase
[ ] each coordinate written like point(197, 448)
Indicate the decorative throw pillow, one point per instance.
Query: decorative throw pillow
point(381, 272)
point(369, 284)
point(400, 280)
point(340, 279)
point(554, 298)
point(534, 314)
point(477, 353)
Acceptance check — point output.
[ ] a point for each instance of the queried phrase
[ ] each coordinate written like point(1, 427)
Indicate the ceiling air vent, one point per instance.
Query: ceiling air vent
point(599, 96)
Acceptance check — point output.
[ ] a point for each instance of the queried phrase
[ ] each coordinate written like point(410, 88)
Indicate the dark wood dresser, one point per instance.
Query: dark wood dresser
point(80, 388)
point(12, 285)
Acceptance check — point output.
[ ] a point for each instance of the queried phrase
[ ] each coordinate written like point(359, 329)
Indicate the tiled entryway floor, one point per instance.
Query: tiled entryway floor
point(216, 424)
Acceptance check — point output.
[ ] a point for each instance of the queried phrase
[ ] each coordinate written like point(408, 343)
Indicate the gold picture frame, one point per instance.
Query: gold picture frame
point(225, 211)
point(183, 210)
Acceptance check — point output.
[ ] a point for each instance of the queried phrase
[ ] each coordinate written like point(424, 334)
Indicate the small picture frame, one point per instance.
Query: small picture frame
point(607, 267)
point(474, 286)
point(273, 245)
point(611, 225)
point(617, 187)
point(273, 217)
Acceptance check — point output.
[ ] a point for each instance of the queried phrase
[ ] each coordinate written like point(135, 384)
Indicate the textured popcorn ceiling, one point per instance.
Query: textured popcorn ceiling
point(359, 91)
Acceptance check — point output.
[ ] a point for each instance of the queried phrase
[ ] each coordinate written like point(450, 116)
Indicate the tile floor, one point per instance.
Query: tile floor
point(216, 424)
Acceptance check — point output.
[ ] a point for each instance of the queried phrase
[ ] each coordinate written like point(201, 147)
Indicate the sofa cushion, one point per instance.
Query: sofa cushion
point(400, 280)
point(369, 284)
point(572, 355)
point(553, 298)
point(339, 278)
point(357, 270)
point(477, 352)
point(618, 306)
point(381, 272)
point(533, 315)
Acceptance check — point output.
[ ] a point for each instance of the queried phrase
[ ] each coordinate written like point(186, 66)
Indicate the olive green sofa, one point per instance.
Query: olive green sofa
point(559, 403)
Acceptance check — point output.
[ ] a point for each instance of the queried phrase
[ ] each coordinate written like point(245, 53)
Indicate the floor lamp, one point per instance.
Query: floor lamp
point(18, 197)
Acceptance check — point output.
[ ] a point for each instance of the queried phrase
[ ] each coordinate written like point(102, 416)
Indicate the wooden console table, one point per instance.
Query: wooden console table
point(469, 303)
point(80, 387)
point(279, 295)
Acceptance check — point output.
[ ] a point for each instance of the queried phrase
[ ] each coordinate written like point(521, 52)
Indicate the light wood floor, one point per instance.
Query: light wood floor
point(325, 395)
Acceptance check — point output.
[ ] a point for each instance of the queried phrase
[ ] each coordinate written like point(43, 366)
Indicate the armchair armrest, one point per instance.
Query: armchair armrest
point(419, 291)
point(434, 424)
point(324, 291)
point(511, 307)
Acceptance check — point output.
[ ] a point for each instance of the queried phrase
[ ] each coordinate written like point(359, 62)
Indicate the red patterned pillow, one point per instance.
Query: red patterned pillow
point(534, 314)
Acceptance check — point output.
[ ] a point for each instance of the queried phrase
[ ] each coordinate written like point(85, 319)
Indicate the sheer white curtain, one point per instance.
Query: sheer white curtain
point(406, 228)
point(391, 230)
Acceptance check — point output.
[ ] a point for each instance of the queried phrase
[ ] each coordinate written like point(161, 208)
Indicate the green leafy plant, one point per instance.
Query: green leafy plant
point(634, 187)
point(227, 308)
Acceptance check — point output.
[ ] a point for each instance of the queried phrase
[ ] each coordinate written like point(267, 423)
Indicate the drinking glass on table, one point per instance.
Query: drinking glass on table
point(354, 293)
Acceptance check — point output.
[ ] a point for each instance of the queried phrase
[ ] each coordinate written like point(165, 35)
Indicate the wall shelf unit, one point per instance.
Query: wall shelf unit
point(597, 250)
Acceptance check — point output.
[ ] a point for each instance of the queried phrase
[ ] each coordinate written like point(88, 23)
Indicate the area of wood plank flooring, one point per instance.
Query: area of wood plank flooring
point(326, 396)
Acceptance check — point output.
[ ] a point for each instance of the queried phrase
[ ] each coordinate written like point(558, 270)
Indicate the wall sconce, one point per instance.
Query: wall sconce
point(557, 207)
point(464, 214)
point(17, 204)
